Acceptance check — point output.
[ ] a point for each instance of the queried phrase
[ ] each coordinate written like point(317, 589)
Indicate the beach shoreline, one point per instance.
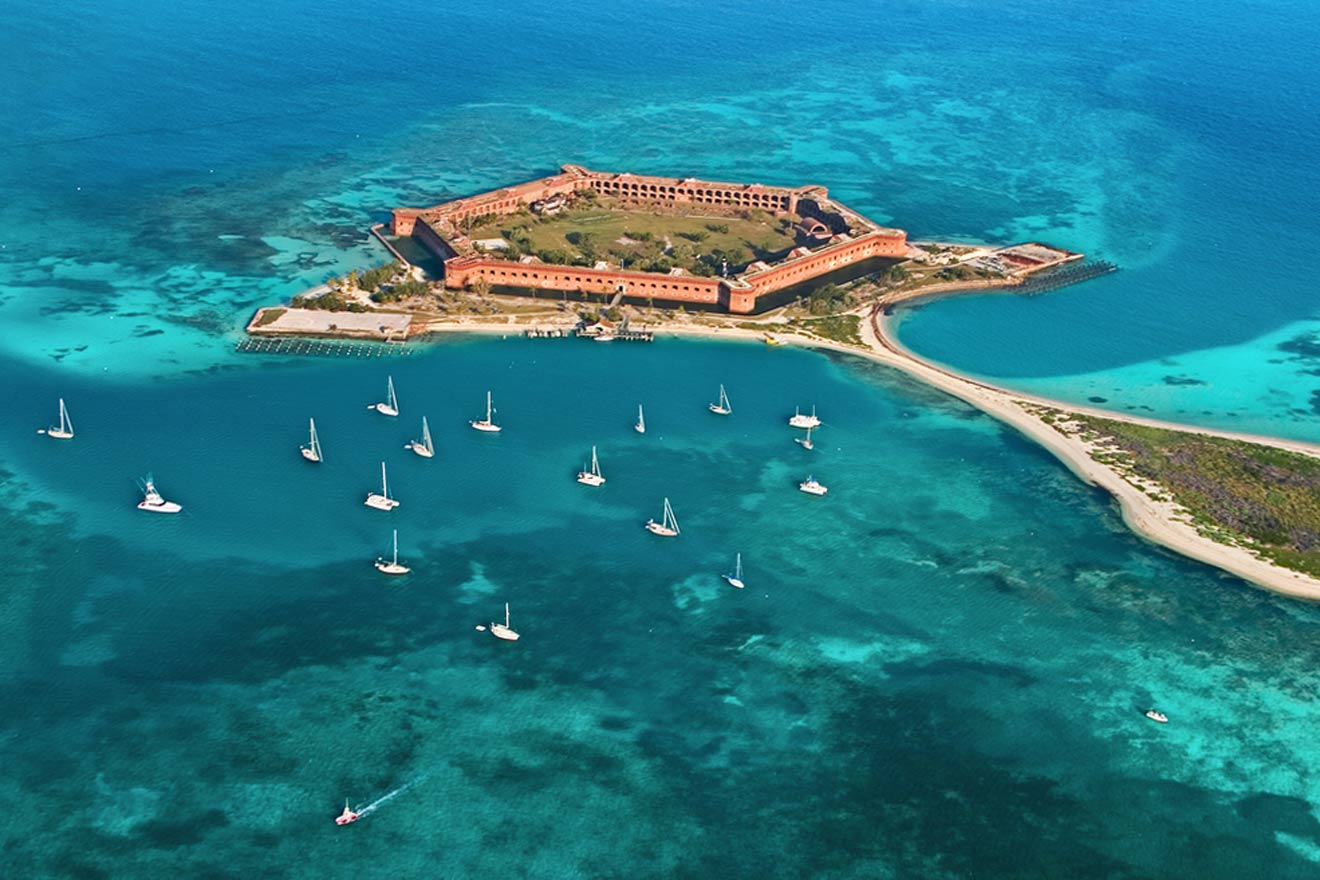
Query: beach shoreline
point(1160, 522)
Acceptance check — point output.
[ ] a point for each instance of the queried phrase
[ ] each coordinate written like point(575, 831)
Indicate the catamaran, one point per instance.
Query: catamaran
point(503, 630)
point(152, 500)
point(312, 449)
point(735, 579)
point(667, 527)
point(806, 443)
point(65, 429)
point(392, 566)
point(722, 408)
point(382, 501)
point(391, 405)
point(800, 421)
point(487, 424)
point(640, 427)
point(812, 487)
point(591, 477)
point(424, 447)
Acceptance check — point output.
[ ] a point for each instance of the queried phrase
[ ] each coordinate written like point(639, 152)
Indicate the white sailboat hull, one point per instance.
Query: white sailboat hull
point(421, 449)
point(639, 428)
point(806, 444)
point(720, 410)
point(804, 422)
point(58, 434)
point(380, 502)
point(660, 529)
point(500, 631)
point(483, 425)
point(387, 567)
point(310, 454)
point(734, 582)
point(384, 409)
point(587, 478)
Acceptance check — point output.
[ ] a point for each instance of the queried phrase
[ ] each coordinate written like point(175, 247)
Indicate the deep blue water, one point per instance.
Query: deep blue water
point(936, 670)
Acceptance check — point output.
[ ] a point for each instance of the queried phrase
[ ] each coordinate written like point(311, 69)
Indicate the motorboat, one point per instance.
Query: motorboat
point(152, 500)
point(812, 487)
point(1156, 716)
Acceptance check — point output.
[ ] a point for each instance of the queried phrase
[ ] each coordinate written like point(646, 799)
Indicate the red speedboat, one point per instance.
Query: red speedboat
point(347, 816)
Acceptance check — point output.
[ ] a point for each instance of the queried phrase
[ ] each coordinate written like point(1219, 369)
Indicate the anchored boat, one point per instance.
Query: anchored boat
point(152, 500)
point(591, 477)
point(424, 447)
point(735, 579)
point(804, 421)
point(812, 487)
point(723, 407)
point(487, 424)
point(392, 566)
point(640, 427)
point(667, 527)
point(65, 429)
point(382, 500)
point(312, 449)
point(391, 405)
point(503, 630)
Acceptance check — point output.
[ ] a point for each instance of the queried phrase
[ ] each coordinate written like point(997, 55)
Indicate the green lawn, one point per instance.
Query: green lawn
point(638, 239)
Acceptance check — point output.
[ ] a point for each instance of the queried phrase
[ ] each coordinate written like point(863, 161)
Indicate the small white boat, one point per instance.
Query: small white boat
point(65, 429)
point(424, 447)
point(312, 449)
point(803, 421)
point(382, 500)
point(640, 427)
point(735, 579)
point(392, 566)
point(668, 525)
point(805, 443)
point(487, 424)
point(812, 487)
point(152, 500)
point(591, 477)
point(503, 630)
point(723, 408)
point(1156, 716)
point(391, 405)
point(605, 337)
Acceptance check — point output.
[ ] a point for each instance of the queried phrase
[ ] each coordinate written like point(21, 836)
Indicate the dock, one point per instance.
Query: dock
point(1065, 276)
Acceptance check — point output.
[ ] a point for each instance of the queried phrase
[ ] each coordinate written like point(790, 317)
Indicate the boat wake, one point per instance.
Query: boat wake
point(385, 798)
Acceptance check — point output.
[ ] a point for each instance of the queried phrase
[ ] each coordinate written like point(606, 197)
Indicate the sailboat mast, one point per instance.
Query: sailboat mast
point(506, 615)
point(489, 407)
point(396, 547)
point(426, 435)
point(384, 484)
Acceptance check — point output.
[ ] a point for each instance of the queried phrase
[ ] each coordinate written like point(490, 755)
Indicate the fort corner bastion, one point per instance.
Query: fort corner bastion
point(819, 236)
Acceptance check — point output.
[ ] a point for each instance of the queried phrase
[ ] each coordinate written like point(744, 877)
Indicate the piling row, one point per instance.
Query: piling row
point(321, 347)
point(1074, 274)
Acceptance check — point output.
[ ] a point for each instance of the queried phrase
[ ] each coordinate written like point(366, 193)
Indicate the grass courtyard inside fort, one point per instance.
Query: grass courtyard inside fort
point(653, 239)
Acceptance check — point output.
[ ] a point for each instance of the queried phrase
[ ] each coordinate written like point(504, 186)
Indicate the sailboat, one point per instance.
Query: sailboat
point(640, 427)
point(382, 501)
point(812, 487)
point(392, 566)
point(503, 630)
point(735, 579)
point(312, 449)
point(591, 477)
point(65, 430)
point(806, 443)
point(391, 405)
point(152, 500)
point(667, 527)
point(800, 421)
point(486, 424)
point(424, 447)
point(722, 408)
point(348, 816)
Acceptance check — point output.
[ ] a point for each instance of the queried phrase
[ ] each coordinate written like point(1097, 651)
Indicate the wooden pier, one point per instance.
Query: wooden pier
point(321, 347)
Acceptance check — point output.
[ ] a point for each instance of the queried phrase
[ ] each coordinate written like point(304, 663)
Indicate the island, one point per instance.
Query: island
point(619, 256)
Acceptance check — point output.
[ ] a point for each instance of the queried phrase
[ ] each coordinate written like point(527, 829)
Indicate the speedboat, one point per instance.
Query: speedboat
point(1157, 716)
point(812, 487)
point(153, 501)
point(347, 817)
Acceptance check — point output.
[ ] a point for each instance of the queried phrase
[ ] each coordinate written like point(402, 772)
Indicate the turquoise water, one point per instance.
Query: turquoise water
point(936, 671)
